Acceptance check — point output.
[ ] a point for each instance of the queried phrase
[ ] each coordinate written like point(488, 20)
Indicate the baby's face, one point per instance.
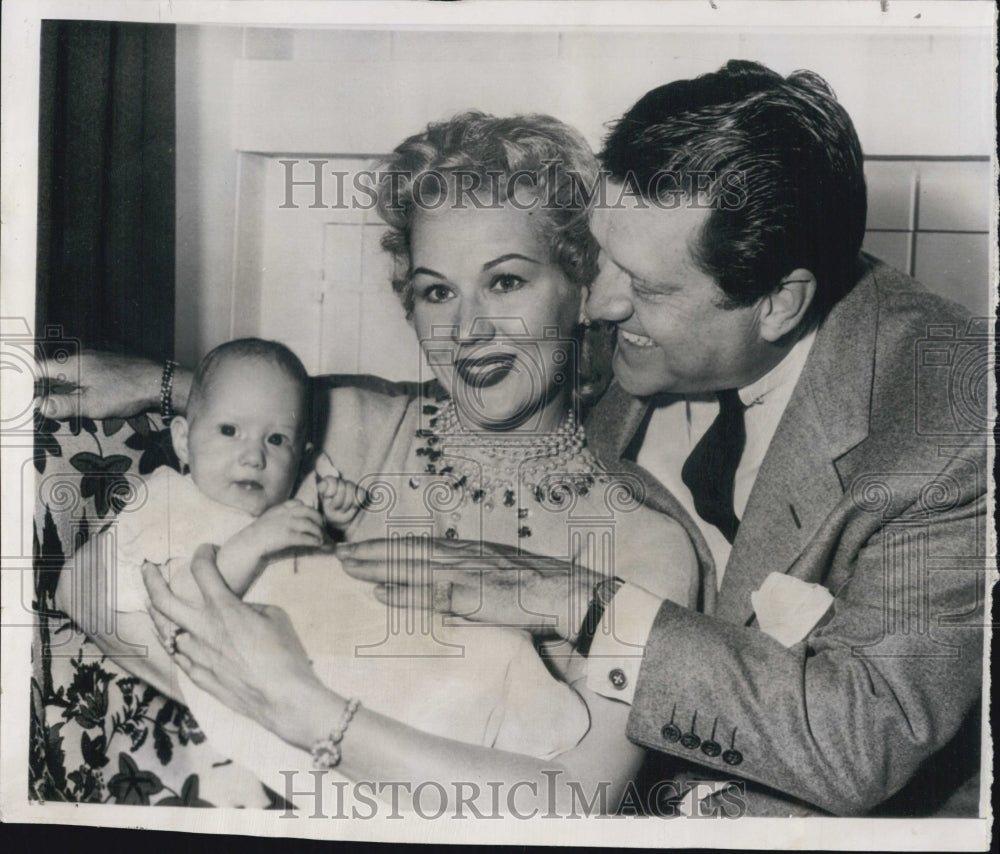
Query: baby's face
point(244, 443)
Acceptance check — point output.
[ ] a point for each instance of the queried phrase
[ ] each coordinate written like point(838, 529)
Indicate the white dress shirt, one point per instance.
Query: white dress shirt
point(672, 433)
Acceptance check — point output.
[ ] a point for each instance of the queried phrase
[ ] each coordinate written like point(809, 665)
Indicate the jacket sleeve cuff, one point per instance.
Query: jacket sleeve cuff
point(620, 641)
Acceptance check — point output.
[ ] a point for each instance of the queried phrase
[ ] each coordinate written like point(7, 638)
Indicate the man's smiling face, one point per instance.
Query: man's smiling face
point(673, 333)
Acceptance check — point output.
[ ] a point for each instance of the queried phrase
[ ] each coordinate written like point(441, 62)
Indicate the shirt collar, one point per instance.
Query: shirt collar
point(784, 375)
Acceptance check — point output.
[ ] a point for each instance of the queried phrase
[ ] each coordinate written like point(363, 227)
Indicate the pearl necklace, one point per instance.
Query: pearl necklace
point(490, 469)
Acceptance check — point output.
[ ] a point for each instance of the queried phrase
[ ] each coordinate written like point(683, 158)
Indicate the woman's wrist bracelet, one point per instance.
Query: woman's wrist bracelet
point(604, 592)
point(326, 751)
point(167, 390)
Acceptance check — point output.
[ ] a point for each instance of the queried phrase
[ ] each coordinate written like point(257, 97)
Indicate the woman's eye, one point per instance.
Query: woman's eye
point(227, 429)
point(436, 293)
point(277, 439)
point(506, 282)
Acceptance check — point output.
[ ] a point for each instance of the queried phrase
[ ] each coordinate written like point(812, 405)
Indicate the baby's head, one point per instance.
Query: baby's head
point(244, 431)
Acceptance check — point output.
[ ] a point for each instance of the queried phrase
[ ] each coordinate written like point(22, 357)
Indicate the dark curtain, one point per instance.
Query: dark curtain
point(106, 185)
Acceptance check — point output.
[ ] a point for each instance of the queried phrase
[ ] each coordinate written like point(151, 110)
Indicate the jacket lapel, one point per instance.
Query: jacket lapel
point(798, 485)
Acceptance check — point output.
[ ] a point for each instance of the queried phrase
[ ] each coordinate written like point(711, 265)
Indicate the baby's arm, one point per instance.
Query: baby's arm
point(243, 556)
point(340, 499)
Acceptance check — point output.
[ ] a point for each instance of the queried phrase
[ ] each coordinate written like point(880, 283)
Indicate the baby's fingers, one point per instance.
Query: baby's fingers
point(307, 529)
point(307, 515)
point(346, 496)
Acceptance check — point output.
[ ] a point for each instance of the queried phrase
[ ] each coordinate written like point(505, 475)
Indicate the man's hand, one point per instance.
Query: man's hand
point(103, 385)
point(287, 525)
point(481, 582)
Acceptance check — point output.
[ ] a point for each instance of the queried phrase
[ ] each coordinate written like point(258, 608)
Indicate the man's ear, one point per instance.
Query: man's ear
point(179, 437)
point(782, 310)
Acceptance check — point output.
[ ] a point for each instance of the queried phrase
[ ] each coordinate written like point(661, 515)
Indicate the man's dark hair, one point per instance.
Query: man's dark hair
point(781, 166)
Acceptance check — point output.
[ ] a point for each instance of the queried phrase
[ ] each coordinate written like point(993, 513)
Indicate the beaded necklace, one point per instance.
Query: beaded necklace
point(490, 469)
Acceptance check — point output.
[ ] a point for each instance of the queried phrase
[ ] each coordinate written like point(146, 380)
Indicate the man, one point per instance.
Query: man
point(731, 264)
point(771, 393)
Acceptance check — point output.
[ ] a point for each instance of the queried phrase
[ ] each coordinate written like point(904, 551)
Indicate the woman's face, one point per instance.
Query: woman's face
point(494, 315)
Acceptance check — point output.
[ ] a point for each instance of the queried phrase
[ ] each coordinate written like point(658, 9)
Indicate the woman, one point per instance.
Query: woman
point(493, 256)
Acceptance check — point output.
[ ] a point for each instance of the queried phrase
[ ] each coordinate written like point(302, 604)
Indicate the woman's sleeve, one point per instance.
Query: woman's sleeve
point(360, 424)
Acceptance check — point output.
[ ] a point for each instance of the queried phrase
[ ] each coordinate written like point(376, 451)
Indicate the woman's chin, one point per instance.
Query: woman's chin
point(499, 415)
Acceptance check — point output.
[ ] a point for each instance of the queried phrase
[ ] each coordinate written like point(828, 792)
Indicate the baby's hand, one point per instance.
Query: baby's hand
point(340, 499)
point(281, 527)
point(286, 525)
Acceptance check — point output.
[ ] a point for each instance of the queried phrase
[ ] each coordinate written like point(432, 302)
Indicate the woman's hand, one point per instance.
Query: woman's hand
point(104, 385)
point(482, 582)
point(247, 656)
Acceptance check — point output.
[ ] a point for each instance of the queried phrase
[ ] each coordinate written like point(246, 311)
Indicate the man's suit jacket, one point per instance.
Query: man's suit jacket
point(873, 486)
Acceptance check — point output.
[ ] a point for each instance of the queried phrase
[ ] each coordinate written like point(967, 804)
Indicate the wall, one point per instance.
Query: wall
point(206, 187)
point(314, 277)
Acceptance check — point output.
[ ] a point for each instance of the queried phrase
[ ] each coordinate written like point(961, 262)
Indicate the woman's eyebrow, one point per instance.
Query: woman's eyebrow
point(509, 256)
point(426, 271)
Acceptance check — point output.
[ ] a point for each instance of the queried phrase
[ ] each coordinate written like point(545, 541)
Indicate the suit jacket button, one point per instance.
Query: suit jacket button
point(711, 748)
point(618, 678)
point(690, 741)
point(732, 757)
point(671, 732)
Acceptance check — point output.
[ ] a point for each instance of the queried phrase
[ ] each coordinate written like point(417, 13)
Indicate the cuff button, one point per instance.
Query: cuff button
point(671, 732)
point(732, 757)
point(711, 748)
point(618, 678)
point(690, 741)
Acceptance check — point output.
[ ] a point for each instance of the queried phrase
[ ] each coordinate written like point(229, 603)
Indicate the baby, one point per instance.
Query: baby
point(243, 439)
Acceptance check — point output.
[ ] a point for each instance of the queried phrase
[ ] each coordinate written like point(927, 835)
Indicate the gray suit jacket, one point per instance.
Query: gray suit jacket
point(873, 486)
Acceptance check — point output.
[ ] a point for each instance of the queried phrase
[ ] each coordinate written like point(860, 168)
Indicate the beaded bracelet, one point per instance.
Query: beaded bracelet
point(167, 390)
point(604, 592)
point(326, 751)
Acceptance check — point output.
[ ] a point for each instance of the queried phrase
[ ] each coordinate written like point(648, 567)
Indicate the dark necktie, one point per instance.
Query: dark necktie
point(710, 470)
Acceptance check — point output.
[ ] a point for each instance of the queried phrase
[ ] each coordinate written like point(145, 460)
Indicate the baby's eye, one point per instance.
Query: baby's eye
point(506, 282)
point(278, 439)
point(436, 293)
point(227, 429)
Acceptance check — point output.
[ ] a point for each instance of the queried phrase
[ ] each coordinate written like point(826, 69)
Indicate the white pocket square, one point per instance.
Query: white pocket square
point(788, 608)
